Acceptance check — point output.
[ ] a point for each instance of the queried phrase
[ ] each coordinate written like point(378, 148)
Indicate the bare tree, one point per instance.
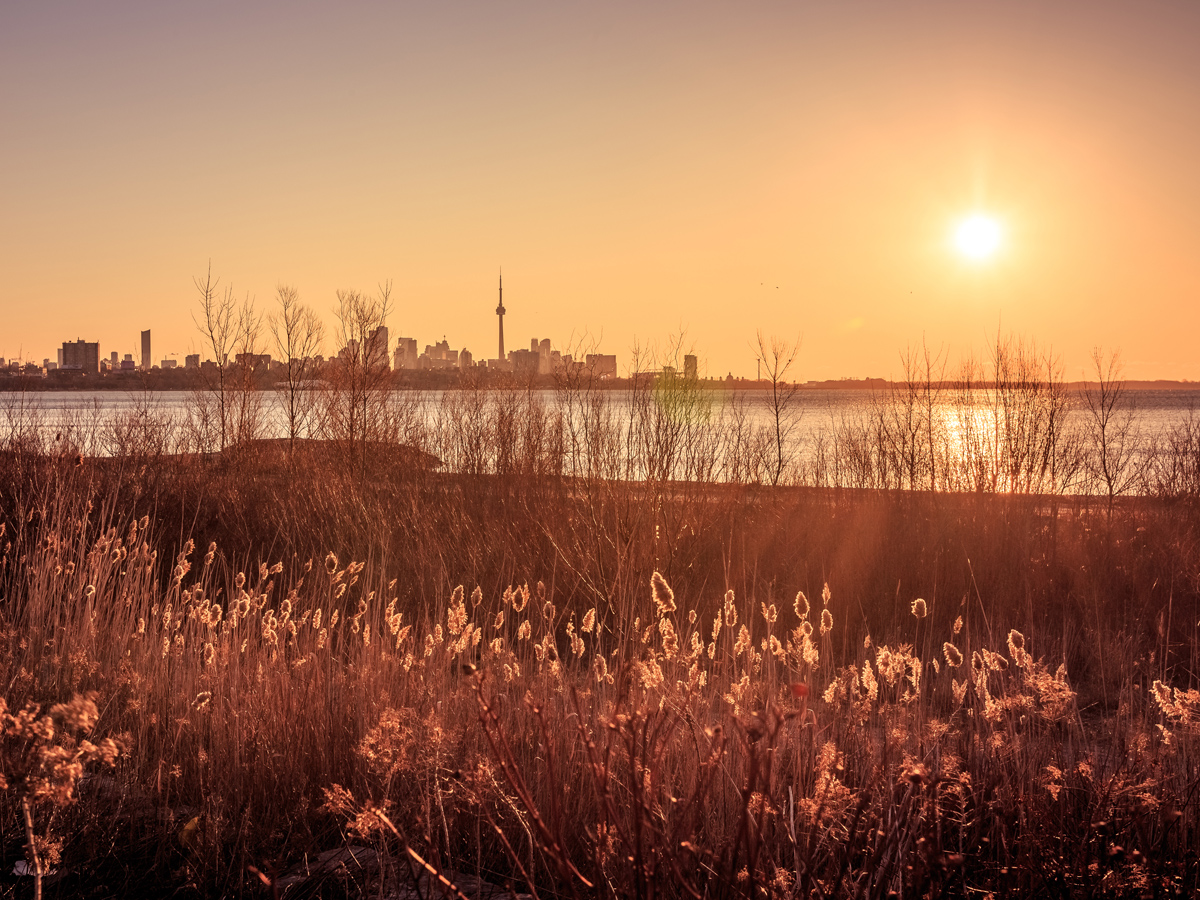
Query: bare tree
point(217, 325)
point(226, 406)
point(909, 420)
point(776, 356)
point(356, 407)
point(1173, 467)
point(249, 369)
point(297, 332)
point(1113, 428)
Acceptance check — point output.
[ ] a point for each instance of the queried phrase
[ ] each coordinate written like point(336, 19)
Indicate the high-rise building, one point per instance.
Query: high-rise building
point(191, 361)
point(255, 362)
point(524, 362)
point(405, 356)
point(146, 350)
point(602, 365)
point(81, 354)
point(438, 356)
point(689, 367)
point(375, 354)
point(114, 362)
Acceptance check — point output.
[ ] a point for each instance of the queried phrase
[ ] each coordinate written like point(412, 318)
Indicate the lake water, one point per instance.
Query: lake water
point(88, 420)
point(1156, 409)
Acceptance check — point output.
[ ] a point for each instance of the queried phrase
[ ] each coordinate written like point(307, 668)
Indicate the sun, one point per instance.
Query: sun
point(978, 237)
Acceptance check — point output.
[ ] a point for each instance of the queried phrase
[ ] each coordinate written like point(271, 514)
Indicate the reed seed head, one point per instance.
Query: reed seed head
point(664, 597)
point(1016, 649)
point(954, 657)
point(743, 641)
point(670, 640)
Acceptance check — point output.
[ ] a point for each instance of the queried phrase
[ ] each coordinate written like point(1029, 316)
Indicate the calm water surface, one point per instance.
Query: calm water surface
point(88, 414)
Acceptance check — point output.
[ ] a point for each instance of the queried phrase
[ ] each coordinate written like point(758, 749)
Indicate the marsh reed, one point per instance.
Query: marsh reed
point(599, 656)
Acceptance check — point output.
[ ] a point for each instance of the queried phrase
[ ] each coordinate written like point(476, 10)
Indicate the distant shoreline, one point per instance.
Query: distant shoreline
point(442, 380)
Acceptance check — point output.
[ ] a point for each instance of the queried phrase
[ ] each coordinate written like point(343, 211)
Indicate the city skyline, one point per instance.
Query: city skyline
point(542, 358)
point(795, 169)
point(266, 346)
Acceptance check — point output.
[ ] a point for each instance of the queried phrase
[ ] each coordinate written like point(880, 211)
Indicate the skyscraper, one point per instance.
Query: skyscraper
point(146, 350)
point(375, 354)
point(500, 315)
point(406, 353)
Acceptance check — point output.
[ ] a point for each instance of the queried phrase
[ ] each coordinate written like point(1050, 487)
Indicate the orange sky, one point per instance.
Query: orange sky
point(636, 168)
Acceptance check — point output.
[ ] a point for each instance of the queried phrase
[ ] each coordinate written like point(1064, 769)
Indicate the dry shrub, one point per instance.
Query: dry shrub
point(275, 711)
point(285, 648)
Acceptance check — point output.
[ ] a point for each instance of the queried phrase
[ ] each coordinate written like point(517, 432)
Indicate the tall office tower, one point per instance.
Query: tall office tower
point(500, 315)
point(690, 369)
point(406, 353)
point(375, 354)
point(146, 349)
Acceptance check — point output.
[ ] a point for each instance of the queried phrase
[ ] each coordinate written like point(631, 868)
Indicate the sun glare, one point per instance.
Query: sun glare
point(977, 237)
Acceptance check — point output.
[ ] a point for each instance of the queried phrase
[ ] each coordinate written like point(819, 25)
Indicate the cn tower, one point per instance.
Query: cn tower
point(500, 314)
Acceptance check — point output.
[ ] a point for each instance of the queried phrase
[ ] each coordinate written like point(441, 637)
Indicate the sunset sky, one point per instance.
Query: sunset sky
point(636, 168)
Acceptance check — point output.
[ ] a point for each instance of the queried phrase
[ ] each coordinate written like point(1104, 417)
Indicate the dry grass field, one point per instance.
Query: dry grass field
point(219, 668)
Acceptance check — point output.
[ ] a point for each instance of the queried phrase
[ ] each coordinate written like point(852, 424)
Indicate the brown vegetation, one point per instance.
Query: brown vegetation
point(643, 684)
